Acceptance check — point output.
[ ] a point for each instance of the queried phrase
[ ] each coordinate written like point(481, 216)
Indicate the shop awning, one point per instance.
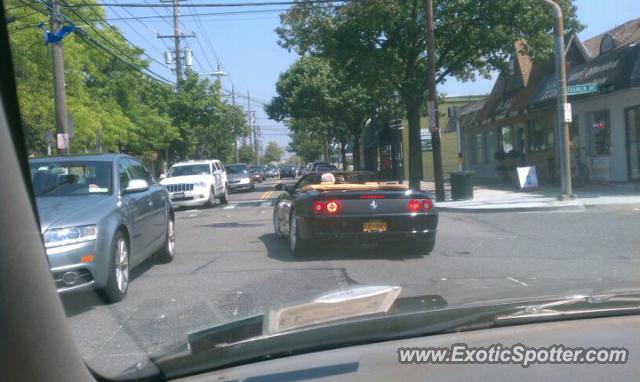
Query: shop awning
point(617, 70)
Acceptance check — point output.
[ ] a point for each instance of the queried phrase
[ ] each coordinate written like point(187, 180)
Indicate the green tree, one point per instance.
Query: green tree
point(306, 144)
point(247, 154)
point(208, 127)
point(272, 153)
point(383, 43)
point(321, 95)
point(105, 97)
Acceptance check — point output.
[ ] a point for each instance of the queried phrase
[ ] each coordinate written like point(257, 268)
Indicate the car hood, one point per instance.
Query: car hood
point(185, 179)
point(237, 176)
point(62, 211)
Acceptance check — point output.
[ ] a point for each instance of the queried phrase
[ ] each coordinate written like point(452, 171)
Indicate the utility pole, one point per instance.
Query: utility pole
point(253, 129)
point(237, 140)
point(176, 33)
point(60, 103)
point(177, 36)
point(563, 113)
point(432, 104)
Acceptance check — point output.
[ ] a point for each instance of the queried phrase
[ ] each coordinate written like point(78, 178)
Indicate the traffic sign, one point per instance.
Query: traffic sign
point(582, 89)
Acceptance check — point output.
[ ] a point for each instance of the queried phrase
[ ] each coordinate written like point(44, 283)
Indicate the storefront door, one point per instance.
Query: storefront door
point(632, 121)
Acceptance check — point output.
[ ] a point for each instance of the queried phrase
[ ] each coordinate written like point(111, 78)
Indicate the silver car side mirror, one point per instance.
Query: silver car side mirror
point(136, 185)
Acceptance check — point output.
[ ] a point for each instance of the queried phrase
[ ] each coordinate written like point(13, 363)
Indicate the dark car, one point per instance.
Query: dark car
point(257, 173)
point(287, 172)
point(353, 205)
point(270, 171)
point(319, 166)
point(100, 216)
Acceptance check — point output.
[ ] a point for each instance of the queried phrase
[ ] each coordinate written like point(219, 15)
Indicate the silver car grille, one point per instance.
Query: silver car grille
point(179, 187)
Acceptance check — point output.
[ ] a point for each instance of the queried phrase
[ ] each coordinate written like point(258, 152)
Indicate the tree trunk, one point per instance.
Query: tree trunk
point(343, 155)
point(415, 149)
point(356, 151)
point(325, 151)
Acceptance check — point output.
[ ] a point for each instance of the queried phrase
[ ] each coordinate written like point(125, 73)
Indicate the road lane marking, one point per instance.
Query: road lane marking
point(267, 194)
point(193, 215)
point(230, 206)
point(517, 281)
point(191, 211)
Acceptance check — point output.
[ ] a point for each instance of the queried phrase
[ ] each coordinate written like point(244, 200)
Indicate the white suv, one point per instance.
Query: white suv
point(196, 183)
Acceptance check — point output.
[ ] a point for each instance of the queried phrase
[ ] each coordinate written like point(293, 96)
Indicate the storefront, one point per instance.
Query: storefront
point(605, 127)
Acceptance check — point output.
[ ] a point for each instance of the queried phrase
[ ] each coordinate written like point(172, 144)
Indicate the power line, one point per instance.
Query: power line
point(207, 5)
point(198, 15)
point(118, 33)
point(139, 22)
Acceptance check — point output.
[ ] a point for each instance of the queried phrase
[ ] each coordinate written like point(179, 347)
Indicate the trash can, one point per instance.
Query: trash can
point(461, 185)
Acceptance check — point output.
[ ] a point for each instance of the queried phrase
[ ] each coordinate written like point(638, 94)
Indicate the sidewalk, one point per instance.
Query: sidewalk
point(503, 198)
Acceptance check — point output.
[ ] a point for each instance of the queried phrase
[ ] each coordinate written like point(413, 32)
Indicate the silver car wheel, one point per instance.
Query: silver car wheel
point(122, 266)
point(293, 234)
point(171, 238)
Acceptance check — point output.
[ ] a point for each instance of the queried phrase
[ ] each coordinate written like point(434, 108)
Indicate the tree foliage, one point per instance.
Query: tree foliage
point(272, 153)
point(111, 100)
point(247, 154)
point(380, 45)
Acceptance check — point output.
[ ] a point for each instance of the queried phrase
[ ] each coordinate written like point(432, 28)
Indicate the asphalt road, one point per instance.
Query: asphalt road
point(229, 264)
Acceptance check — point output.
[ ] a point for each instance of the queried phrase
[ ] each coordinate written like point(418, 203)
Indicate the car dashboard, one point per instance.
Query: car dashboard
point(380, 361)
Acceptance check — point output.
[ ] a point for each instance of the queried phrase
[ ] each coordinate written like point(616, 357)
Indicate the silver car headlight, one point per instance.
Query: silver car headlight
point(69, 235)
point(200, 184)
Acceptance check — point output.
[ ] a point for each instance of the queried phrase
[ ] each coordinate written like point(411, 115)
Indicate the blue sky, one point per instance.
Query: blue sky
point(246, 47)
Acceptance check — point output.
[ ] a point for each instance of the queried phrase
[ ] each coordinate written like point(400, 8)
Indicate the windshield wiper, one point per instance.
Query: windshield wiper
point(575, 307)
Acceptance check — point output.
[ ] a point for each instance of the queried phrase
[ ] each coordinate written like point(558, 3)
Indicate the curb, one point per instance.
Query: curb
point(567, 207)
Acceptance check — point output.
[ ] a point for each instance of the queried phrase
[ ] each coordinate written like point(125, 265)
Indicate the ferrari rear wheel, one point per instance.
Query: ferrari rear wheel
point(298, 245)
point(276, 224)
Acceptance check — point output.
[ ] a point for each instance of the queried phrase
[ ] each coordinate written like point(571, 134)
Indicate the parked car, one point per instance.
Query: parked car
point(100, 216)
point(196, 183)
point(353, 207)
point(271, 172)
point(258, 174)
point(320, 166)
point(287, 172)
point(240, 177)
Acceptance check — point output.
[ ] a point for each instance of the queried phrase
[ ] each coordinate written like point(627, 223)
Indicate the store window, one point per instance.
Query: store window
point(506, 138)
point(574, 133)
point(539, 136)
point(601, 133)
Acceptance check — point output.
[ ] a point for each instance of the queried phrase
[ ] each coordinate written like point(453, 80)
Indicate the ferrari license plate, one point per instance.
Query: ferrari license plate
point(374, 226)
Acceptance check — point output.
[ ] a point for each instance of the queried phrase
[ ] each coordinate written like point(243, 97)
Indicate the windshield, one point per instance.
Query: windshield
point(184, 170)
point(311, 146)
point(236, 169)
point(71, 178)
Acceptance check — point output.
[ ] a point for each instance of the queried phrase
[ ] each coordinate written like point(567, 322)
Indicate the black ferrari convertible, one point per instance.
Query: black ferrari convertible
point(353, 206)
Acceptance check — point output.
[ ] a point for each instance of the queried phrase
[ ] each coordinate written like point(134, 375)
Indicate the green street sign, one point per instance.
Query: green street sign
point(582, 89)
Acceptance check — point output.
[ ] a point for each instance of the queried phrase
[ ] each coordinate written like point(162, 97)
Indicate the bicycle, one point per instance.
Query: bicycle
point(579, 171)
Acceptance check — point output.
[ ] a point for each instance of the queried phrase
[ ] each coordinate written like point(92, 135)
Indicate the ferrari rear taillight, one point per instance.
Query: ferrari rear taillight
point(329, 207)
point(414, 205)
point(419, 205)
point(317, 207)
point(332, 207)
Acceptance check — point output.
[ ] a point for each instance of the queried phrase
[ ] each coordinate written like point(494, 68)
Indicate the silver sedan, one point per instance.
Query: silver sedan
point(100, 216)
